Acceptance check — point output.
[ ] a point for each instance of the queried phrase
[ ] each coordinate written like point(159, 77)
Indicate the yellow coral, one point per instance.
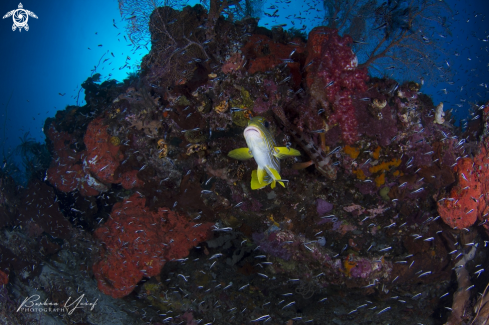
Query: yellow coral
point(240, 118)
point(163, 148)
point(161, 143)
point(380, 180)
point(376, 153)
point(114, 113)
point(163, 153)
point(275, 223)
point(397, 173)
point(414, 86)
point(349, 264)
point(351, 151)
point(385, 165)
point(222, 107)
point(360, 174)
point(246, 98)
point(196, 148)
point(379, 104)
point(115, 141)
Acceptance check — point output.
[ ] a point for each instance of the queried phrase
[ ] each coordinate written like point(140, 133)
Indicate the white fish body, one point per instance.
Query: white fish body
point(262, 147)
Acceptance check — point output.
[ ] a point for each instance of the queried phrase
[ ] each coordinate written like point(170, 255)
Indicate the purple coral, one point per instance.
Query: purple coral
point(261, 106)
point(382, 129)
point(270, 245)
point(323, 206)
point(362, 269)
point(252, 204)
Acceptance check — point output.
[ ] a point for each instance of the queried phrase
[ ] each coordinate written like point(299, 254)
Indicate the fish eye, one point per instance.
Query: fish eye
point(266, 124)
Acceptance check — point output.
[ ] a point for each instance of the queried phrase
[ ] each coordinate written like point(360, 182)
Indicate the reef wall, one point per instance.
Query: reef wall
point(385, 200)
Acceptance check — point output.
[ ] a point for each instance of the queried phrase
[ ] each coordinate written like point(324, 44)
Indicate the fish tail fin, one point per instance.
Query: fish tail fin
point(255, 184)
point(260, 173)
point(274, 173)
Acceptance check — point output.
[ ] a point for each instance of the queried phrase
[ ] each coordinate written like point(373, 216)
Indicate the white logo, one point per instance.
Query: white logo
point(20, 17)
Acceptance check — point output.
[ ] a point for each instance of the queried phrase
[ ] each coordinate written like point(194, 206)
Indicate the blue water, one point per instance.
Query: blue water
point(42, 69)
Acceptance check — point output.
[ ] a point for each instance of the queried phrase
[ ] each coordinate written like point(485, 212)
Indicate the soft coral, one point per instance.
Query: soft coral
point(333, 77)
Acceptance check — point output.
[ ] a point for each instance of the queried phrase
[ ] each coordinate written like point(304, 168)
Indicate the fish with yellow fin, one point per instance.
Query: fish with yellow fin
point(262, 147)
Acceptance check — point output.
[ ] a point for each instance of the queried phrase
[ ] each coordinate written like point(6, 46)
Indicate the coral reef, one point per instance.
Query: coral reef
point(467, 201)
point(294, 255)
point(103, 155)
point(40, 213)
point(333, 77)
point(386, 201)
point(3, 278)
point(138, 243)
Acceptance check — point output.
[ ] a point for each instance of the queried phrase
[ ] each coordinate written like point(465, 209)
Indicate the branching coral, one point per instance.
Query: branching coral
point(178, 48)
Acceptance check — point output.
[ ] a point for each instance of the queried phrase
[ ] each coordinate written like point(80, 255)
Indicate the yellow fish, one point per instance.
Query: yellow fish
point(262, 147)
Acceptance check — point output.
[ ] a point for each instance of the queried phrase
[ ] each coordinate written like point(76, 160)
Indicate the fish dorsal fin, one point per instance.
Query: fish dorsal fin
point(240, 154)
point(260, 174)
point(284, 152)
point(255, 185)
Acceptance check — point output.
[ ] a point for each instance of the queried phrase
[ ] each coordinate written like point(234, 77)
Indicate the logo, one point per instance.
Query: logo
point(34, 304)
point(20, 17)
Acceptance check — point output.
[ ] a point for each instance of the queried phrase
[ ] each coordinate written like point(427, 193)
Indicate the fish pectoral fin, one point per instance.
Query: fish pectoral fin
point(273, 185)
point(255, 185)
point(260, 173)
point(240, 154)
point(284, 152)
